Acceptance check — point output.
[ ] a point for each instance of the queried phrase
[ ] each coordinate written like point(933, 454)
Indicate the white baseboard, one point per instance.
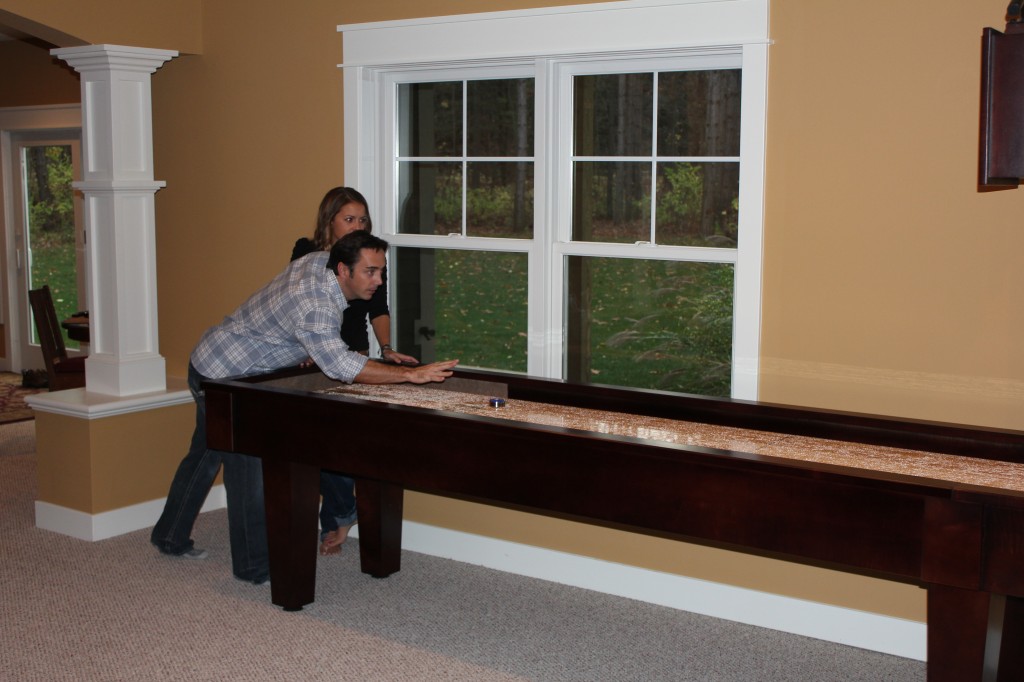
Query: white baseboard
point(851, 627)
point(105, 525)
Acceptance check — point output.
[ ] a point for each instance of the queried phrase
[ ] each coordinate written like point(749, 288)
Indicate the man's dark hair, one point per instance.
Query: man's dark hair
point(347, 250)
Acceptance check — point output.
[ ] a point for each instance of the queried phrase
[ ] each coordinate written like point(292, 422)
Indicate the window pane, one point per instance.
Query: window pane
point(650, 324)
point(430, 119)
point(611, 202)
point(699, 113)
point(697, 204)
point(613, 114)
point(50, 224)
point(500, 117)
point(499, 200)
point(469, 305)
point(430, 197)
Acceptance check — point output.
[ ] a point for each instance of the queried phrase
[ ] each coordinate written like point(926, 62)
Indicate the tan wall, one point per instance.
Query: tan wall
point(265, 124)
point(33, 78)
point(142, 23)
point(890, 284)
point(94, 466)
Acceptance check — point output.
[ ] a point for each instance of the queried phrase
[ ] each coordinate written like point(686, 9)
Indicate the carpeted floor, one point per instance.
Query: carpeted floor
point(12, 398)
point(118, 610)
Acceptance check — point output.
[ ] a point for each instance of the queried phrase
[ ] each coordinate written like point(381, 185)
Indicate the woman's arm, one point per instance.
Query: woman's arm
point(382, 330)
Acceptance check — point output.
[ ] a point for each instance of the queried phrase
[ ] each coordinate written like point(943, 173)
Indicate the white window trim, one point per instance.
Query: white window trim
point(542, 41)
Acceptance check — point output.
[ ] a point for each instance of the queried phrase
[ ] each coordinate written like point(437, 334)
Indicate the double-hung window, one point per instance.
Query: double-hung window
point(586, 208)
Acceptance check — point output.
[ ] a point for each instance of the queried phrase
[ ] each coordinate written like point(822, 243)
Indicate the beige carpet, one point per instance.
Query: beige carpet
point(118, 610)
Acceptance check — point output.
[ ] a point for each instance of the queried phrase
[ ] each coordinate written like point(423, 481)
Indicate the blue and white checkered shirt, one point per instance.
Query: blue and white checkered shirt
point(297, 315)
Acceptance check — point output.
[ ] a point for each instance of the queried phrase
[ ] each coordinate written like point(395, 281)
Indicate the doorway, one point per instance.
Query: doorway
point(46, 234)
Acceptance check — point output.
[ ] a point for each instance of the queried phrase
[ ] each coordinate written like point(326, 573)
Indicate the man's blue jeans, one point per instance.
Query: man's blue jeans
point(243, 483)
point(191, 482)
point(247, 519)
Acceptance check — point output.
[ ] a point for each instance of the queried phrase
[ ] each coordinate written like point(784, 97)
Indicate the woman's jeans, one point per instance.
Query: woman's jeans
point(339, 504)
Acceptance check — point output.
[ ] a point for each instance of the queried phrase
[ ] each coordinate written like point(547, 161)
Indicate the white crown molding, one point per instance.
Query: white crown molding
point(613, 27)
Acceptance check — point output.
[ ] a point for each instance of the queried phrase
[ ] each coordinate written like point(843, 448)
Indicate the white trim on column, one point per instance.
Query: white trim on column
point(93, 527)
point(119, 189)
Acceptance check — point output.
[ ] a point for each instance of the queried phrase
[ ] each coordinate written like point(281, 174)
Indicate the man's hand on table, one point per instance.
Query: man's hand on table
point(381, 372)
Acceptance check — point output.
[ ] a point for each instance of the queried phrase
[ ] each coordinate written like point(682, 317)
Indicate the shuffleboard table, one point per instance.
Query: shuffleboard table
point(931, 504)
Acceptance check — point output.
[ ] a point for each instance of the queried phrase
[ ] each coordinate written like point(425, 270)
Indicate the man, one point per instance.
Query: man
point(292, 319)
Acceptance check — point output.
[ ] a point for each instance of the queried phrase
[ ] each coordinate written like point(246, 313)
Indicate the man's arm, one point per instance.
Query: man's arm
point(383, 373)
point(318, 334)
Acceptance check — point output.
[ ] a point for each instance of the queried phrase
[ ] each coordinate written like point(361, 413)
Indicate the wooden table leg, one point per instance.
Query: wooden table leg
point(957, 632)
point(292, 495)
point(1011, 635)
point(379, 506)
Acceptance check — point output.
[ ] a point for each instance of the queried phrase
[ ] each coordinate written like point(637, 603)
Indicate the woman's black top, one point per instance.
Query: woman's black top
point(353, 322)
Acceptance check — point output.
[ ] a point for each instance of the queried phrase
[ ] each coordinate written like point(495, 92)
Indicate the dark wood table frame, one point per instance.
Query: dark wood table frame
point(964, 544)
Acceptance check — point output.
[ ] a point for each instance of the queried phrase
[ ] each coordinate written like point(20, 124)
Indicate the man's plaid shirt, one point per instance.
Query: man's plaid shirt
point(297, 315)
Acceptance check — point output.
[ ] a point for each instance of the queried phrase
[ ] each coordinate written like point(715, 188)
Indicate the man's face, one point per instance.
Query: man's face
point(366, 276)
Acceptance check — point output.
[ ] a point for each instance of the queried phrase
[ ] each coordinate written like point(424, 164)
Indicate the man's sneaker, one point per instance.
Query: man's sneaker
point(194, 553)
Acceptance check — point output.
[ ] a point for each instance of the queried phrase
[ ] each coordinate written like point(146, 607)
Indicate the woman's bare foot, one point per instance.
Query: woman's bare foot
point(333, 540)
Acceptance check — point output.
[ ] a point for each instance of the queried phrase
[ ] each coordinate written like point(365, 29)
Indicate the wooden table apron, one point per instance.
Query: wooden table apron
point(963, 544)
point(77, 328)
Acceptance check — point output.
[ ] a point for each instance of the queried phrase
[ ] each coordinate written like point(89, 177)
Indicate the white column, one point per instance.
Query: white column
point(117, 150)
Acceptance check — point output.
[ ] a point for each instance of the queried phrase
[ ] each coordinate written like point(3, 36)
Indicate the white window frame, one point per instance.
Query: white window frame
point(552, 44)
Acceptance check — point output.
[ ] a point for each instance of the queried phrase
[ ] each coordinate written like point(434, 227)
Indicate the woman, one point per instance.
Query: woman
point(344, 210)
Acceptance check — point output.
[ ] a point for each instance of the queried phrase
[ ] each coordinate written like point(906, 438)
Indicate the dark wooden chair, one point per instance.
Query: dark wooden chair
point(61, 371)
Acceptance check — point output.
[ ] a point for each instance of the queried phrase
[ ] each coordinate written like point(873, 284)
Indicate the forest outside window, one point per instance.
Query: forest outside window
point(655, 162)
point(656, 157)
point(465, 158)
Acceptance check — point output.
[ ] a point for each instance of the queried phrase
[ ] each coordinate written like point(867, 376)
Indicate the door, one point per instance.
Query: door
point(48, 236)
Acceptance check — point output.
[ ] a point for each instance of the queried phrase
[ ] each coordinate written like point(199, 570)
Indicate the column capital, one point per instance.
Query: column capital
point(113, 57)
